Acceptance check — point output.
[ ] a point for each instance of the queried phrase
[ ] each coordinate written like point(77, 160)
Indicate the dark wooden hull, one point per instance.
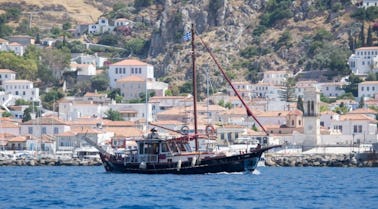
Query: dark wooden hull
point(234, 163)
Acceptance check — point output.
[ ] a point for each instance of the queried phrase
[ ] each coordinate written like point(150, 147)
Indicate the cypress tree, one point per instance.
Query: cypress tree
point(362, 35)
point(369, 39)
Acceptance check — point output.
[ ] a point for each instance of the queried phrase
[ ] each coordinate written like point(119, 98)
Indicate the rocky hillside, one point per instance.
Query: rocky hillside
point(247, 37)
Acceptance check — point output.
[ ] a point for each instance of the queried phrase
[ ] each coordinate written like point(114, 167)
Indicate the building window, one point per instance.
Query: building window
point(30, 130)
point(43, 130)
point(132, 70)
point(56, 130)
point(116, 70)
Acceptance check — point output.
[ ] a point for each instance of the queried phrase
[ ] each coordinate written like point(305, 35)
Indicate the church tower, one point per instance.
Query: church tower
point(311, 117)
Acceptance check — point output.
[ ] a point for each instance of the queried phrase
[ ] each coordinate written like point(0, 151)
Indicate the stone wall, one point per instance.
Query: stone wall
point(317, 160)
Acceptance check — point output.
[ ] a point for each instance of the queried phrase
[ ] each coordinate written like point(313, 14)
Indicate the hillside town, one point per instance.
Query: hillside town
point(294, 116)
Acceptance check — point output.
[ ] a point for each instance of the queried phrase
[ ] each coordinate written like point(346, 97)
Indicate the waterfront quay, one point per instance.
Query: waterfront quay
point(12, 159)
point(318, 160)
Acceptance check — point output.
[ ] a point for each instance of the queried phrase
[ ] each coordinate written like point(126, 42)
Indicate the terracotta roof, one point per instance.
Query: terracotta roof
point(272, 114)
point(14, 44)
point(6, 135)
point(129, 62)
point(132, 78)
point(93, 94)
point(125, 131)
point(368, 48)
point(109, 123)
point(3, 40)
point(67, 133)
point(363, 111)
point(8, 124)
point(7, 71)
point(18, 139)
point(296, 112)
point(369, 82)
point(44, 121)
point(17, 81)
point(357, 117)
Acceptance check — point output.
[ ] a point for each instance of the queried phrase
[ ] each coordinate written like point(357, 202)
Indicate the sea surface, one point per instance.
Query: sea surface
point(267, 187)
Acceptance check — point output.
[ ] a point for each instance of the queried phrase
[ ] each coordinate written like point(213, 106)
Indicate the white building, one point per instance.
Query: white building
point(21, 88)
point(121, 22)
point(43, 126)
point(364, 60)
point(277, 78)
point(6, 74)
point(83, 69)
point(90, 59)
point(368, 89)
point(302, 85)
point(101, 27)
point(132, 87)
point(333, 89)
point(369, 3)
point(15, 47)
point(244, 88)
point(129, 67)
point(266, 90)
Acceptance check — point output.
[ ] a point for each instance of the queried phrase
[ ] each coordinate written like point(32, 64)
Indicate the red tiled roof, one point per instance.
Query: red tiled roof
point(129, 62)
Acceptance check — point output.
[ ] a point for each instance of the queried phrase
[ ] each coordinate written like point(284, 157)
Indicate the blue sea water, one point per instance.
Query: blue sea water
point(268, 187)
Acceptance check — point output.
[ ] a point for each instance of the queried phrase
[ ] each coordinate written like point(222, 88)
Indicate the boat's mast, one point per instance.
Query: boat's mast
point(249, 112)
point(194, 89)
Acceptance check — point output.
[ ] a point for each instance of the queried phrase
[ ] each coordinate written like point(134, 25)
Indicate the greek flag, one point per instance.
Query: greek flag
point(187, 36)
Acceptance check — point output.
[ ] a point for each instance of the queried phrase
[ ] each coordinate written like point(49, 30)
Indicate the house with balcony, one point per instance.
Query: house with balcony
point(43, 126)
point(332, 89)
point(368, 3)
point(101, 26)
point(277, 78)
point(364, 60)
point(5, 75)
point(129, 67)
point(367, 89)
point(21, 89)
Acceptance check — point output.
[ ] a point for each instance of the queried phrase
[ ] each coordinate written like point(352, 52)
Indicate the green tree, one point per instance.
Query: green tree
point(362, 35)
point(288, 92)
point(113, 115)
point(352, 87)
point(109, 39)
point(300, 104)
point(66, 25)
point(55, 60)
point(371, 76)
point(22, 102)
point(25, 68)
point(369, 39)
point(362, 102)
point(140, 4)
point(6, 114)
point(99, 82)
point(27, 116)
point(341, 109)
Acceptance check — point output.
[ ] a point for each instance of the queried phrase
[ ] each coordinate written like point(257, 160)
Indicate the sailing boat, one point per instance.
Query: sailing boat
point(158, 155)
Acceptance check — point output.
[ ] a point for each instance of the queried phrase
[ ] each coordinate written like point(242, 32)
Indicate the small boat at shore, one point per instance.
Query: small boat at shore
point(158, 155)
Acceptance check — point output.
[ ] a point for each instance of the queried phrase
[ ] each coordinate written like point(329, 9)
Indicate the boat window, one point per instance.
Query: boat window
point(155, 148)
point(181, 146)
point(173, 146)
point(164, 147)
point(141, 148)
point(187, 147)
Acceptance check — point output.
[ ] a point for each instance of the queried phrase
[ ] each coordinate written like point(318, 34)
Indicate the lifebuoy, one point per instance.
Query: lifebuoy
point(210, 130)
point(184, 130)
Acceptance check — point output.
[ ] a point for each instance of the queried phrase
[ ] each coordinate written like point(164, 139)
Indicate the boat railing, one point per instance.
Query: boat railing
point(148, 158)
